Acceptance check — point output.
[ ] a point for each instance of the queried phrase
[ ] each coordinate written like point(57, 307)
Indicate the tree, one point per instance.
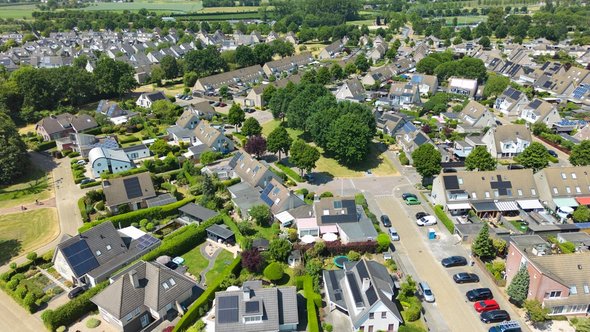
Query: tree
point(519, 287)
point(580, 155)
point(540, 128)
point(483, 245)
point(427, 65)
point(268, 93)
point(170, 66)
point(535, 311)
point(245, 56)
point(160, 147)
point(581, 214)
point(13, 151)
point(427, 160)
point(256, 145)
point(480, 159)
point(362, 63)
point(350, 68)
point(349, 138)
point(383, 242)
point(260, 213)
point(304, 156)
point(274, 271)
point(208, 188)
point(279, 141)
point(495, 85)
point(251, 127)
point(337, 71)
point(236, 115)
point(279, 249)
point(209, 157)
point(535, 156)
point(113, 78)
point(32, 256)
point(252, 260)
point(324, 77)
point(484, 42)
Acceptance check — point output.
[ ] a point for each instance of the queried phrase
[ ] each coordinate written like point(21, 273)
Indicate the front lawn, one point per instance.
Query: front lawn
point(24, 232)
point(31, 187)
point(195, 261)
point(224, 259)
point(268, 127)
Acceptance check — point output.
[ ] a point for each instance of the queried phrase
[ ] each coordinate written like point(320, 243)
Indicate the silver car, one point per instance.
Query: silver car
point(426, 292)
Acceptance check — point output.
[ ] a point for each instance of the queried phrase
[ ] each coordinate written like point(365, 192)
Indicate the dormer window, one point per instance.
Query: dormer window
point(109, 247)
point(555, 190)
point(98, 253)
point(568, 190)
point(578, 190)
point(563, 176)
point(573, 290)
point(574, 176)
point(172, 282)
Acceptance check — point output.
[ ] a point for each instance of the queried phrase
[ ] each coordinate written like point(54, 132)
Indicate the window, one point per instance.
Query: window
point(390, 328)
point(474, 195)
point(172, 282)
point(384, 314)
point(519, 192)
point(371, 315)
point(362, 329)
point(165, 285)
point(496, 194)
point(553, 294)
point(574, 176)
point(586, 289)
point(98, 253)
point(460, 180)
point(370, 328)
point(568, 190)
point(563, 176)
point(555, 190)
point(533, 192)
point(578, 190)
point(487, 194)
point(109, 247)
point(573, 290)
point(252, 319)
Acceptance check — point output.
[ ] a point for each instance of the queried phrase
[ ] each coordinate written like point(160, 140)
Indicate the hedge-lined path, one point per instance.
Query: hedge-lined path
point(54, 280)
point(50, 202)
point(211, 259)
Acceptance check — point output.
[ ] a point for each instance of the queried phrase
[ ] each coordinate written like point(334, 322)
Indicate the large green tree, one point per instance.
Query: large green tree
point(114, 78)
point(535, 311)
point(580, 155)
point(251, 127)
point(518, 289)
point(426, 159)
point(279, 141)
point(495, 85)
point(349, 139)
point(261, 214)
point(582, 214)
point(236, 115)
point(480, 159)
point(535, 156)
point(245, 56)
point(483, 245)
point(170, 66)
point(304, 156)
point(279, 249)
point(13, 151)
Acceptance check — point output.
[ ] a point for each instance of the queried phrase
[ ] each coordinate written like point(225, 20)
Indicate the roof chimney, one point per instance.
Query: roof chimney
point(134, 278)
point(366, 284)
point(246, 291)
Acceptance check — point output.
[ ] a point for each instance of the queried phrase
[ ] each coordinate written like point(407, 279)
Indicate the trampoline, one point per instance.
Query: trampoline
point(340, 260)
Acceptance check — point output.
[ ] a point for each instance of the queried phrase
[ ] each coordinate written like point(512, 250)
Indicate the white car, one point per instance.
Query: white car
point(393, 234)
point(81, 162)
point(426, 221)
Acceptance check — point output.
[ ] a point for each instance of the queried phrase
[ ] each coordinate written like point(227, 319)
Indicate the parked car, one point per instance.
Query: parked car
point(552, 153)
point(171, 265)
point(249, 110)
point(87, 180)
point(385, 221)
point(486, 305)
point(222, 104)
point(215, 104)
point(421, 215)
point(412, 201)
point(75, 292)
point(309, 177)
point(393, 234)
point(494, 316)
point(511, 326)
point(464, 277)
point(515, 166)
point(211, 102)
point(406, 195)
point(426, 292)
point(454, 261)
point(426, 221)
point(479, 294)
point(449, 170)
point(81, 162)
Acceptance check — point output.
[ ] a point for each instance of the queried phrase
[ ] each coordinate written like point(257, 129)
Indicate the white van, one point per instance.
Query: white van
point(393, 234)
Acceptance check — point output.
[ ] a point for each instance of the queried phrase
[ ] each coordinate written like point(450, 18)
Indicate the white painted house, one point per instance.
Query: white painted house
point(106, 160)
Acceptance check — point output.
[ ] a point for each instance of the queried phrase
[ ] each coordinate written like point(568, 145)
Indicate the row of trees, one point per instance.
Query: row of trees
point(444, 65)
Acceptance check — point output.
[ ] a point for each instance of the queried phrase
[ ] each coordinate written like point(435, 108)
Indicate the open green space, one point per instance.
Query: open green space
point(181, 6)
point(224, 259)
point(195, 261)
point(466, 19)
point(25, 232)
point(35, 185)
point(17, 11)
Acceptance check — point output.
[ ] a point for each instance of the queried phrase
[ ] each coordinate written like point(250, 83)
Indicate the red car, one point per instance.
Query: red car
point(486, 305)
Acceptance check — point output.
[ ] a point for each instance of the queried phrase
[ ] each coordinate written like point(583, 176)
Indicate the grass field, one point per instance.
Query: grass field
point(34, 186)
point(236, 9)
point(170, 91)
point(221, 262)
point(375, 161)
point(21, 233)
point(181, 6)
point(466, 19)
point(17, 11)
point(195, 261)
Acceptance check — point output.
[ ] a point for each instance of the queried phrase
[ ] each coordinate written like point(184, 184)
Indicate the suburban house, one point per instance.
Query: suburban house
point(195, 213)
point(487, 193)
point(330, 51)
point(287, 64)
point(110, 109)
point(247, 75)
point(83, 143)
point(59, 126)
point(404, 94)
point(212, 137)
point(564, 188)
point(463, 148)
point(390, 122)
point(280, 198)
point(138, 151)
point(540, 111)
point(103, 160)
point(254, 308)
point(92, 256)
point(131, 191)
point(203, 110)
point(144, 295)
point(510, 102)
point(146, 100)
point(365, 291)
point(189, 118)
point(426, 83)
point(412, 139)
point(474, 117)
point(507, 141)
point(340, 216)
point(559, 281)
point(462, 86)
point(377, 75)
point(351, 90)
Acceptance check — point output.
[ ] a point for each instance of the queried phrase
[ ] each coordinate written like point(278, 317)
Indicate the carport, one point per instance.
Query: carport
point(507, 208)
point(456, 209)
point(530, 205)
point(485, 209)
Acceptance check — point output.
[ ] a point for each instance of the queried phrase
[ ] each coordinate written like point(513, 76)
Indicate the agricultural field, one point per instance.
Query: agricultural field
point(17, 11)
point(160, 6)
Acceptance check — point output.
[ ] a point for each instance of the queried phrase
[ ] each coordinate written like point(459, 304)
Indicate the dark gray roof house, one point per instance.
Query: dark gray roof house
point(220, 233)
point(132, 190)
point(256, 309)
point(58, 126)
point(352, 223)
point(145, 294)
point(196, 213)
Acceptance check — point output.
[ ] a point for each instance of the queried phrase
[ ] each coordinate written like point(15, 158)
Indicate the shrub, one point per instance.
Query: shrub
point(353, 255)
point(92, 323)
point(403, 159)
point(274, 271)
point(61, 329)
point(383, 242)
point(326, 194)
point(82, 208)
point(440, 214)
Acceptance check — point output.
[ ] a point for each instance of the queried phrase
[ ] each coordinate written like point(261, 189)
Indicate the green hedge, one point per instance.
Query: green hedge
point(45, 146)
point(291, 173)
point(440, 213)
point(90, 184)
point(126, 219)
point(234, 228)
point(123, 139)
point(183, 240)
point(75, 309)
point(121, 174)
point(194, 312)
point(82, 208)
point(314, 301)
point(39, 299)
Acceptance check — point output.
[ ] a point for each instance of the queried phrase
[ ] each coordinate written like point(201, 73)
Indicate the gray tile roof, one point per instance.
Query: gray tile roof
point(198, 211)
point(116, 193)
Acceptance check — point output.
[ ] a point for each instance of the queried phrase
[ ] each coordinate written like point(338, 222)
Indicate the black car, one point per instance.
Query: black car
point(406, 195)
point(171, 265)
point(454, 261)
point(449, 170)
point(515, 166)
point(465, 277)
point(385, 221)
point(75, 292)
point(552, 153)
point(494, 316)
point(421, 215)
point(479, 294)
point(249, 110)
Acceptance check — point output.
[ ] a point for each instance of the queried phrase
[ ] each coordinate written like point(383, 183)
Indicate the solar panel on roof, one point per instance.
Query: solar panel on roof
point(252, 307)
point(371, 295)
point(132, 187)
point(362, 270)
point(451, 182)
point(227, 310)
point(146, 241)
point(354, 287)
point(80, 257)
point(535, 103)
point(580, 91)
point(265, 192)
